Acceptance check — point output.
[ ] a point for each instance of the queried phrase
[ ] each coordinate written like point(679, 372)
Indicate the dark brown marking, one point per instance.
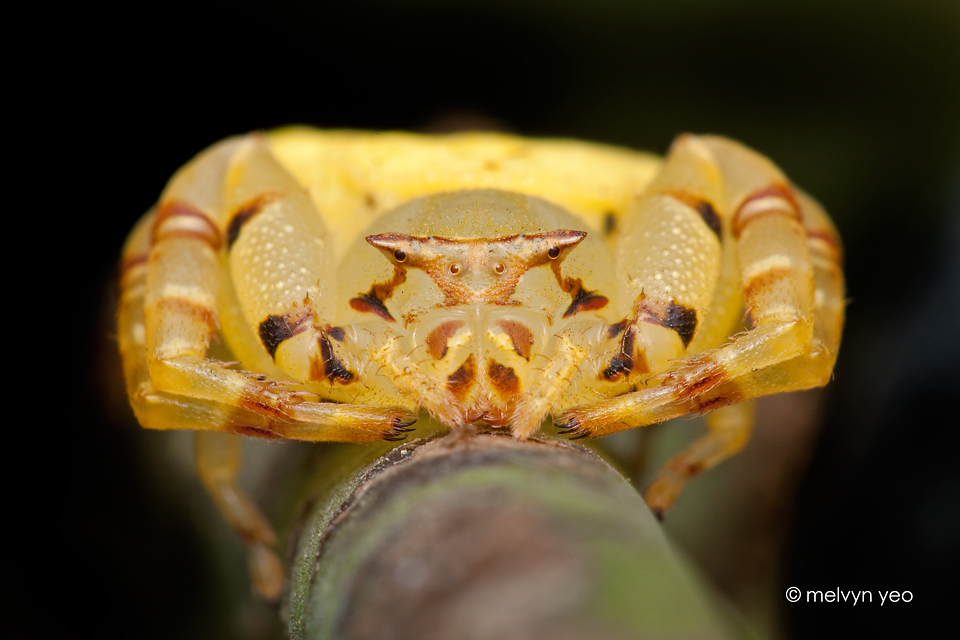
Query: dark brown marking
point(691, 469)
point(711, 374)
point(609, 223)
point(520, 337)
point(336, 333)
point(710, 216)
point(333, 368)
point(830, 240)
point(369, 303)
point(777, 190)
point(250, 399)
point(703, 207)
point(131, 262)
point(199, 313)
point(460, 381)
point(728, 398)
point(584, 300)
point(275, 329)
point(255, 432)
point(765, 279)
point(163, 228)
point(497, 264)
point(503, 379)
point(245, 213)
point(627, 361)
point(616, 329)
point(373, 300)
point(129, 271)
point(438, 338)
point(671, 315)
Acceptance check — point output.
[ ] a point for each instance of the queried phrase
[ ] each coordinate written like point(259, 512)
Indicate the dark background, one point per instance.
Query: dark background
point(858, 102)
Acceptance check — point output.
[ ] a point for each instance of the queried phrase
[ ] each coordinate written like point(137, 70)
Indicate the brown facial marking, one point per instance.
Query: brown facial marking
point(333, 368)
point(519, 335)
point(503, 379)
point(372, 301)
point(179, 219)
point(335, 332)
point(369, 303)
point(275, 329)
point(245, 213)
point(584, 300)
point(438, 338)
point(481, 270)
point(706, 210)
point(671, 315)
point(460, 381)
point(777, 190)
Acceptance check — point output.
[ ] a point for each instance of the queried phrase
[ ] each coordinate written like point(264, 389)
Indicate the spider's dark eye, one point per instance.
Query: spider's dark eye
point(399, 255)
point(499, 268)
point(553, 253)
point(454, 269)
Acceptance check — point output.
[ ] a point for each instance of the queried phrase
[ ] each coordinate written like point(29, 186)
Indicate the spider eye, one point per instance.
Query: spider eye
point(553, 253)
point(454, 269)
point(400, 255)
point(499, 269)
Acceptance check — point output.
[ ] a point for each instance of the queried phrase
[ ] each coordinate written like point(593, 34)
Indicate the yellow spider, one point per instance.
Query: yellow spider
point(358, 278)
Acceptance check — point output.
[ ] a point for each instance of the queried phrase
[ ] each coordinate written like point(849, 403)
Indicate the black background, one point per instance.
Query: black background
point(857, 101)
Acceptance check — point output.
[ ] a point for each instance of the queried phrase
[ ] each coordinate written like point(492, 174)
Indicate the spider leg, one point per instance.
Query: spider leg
point(217, 458)
point(169, 291)
point(788, 259)
point(728, 430)
point(169, 286)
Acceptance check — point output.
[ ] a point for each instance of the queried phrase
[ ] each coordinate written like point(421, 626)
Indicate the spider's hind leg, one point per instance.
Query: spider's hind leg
point(728, 430)
point(217, 458)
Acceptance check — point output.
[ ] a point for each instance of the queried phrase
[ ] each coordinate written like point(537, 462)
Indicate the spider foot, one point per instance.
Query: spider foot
point(572, 428)
point(400, 429)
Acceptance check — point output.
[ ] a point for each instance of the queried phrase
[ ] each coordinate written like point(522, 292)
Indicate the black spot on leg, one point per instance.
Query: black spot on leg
point(244, 214)
point(626, 361)
point(709, 215)
point(704, 207)
point(609, 223)
point(275, 329)
point(616, 329)
point(333, 368)
point(671, 315)
point(681, 319)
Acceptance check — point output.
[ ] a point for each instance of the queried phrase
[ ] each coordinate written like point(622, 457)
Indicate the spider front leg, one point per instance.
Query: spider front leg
point(172, 283)
point(787, 257)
